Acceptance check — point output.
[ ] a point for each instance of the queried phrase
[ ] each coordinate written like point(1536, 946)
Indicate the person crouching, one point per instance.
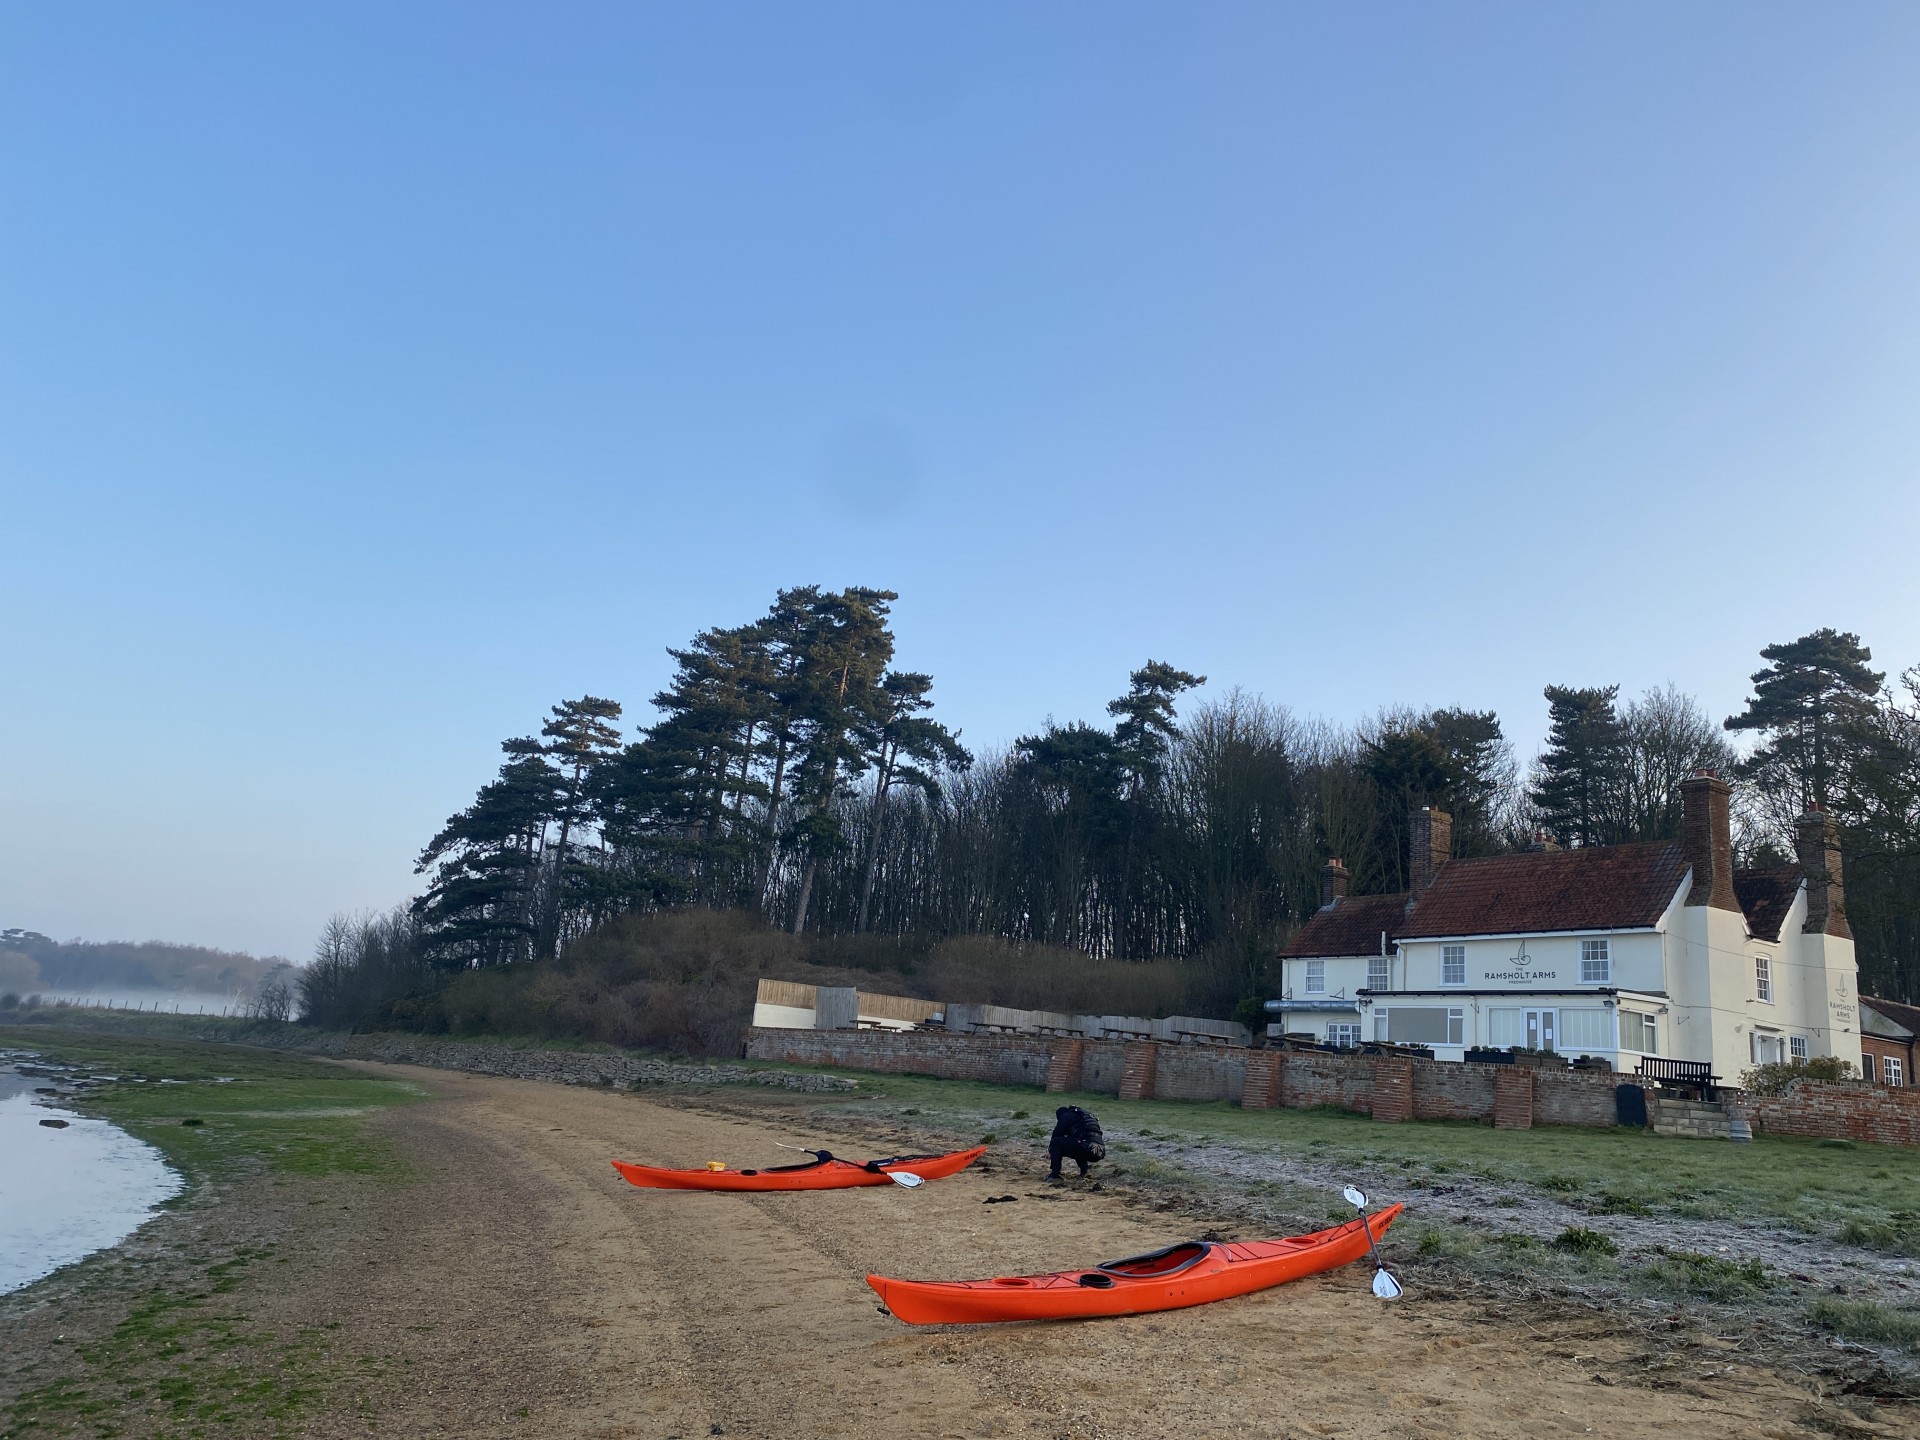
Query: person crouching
point(1076, 1137)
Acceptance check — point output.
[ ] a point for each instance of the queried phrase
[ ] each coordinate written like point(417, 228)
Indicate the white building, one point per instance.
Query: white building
point(1618, 951)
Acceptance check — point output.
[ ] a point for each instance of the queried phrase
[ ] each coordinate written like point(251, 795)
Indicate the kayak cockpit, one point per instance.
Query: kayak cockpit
point(820, 1157)
point(1157, 1264)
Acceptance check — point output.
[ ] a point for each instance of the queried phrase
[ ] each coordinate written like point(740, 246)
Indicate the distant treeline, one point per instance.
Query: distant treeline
point(796, 773)
point(31, 963)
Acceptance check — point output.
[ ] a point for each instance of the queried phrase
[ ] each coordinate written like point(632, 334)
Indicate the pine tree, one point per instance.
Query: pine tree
point(908, 749)
point(1579, 778)
point(1814, 706)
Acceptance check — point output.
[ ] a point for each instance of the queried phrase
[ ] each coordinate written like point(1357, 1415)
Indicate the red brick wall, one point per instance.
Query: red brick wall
point(1314, 1077)
point(1574, 1097)
point(1065, 1066)
point(1452, 1092)
point(1199, 1072)
point(1513, 1097)
point(1261, 1089)
point(1392, 1090)
point(1872, 1113)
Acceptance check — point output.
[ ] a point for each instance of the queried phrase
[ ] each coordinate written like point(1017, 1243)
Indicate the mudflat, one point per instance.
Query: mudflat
point(514, 1285)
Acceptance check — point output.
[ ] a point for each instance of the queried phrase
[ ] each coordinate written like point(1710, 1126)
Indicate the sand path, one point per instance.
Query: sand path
point(524, 1289)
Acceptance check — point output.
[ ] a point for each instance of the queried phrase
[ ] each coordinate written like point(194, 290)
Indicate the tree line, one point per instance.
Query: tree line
point(794, 771)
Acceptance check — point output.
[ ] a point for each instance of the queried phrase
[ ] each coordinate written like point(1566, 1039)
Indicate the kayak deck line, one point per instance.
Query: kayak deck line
point(823, 1173)
point(1195, 1272)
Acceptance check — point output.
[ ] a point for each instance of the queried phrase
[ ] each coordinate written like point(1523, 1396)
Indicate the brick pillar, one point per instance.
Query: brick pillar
point(1512, 1097)
point(1392, 1090)
point(1262, 1090)
point(1139, 1062)
point(1065, 1063)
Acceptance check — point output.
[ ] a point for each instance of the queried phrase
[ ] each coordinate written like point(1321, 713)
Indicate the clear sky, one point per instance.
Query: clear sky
point(374, 375)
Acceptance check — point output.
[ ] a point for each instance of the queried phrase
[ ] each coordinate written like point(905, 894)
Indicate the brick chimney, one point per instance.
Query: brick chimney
point(1705, 805)
point(1817, 839)
point(1429, 846)
point(1333, 883)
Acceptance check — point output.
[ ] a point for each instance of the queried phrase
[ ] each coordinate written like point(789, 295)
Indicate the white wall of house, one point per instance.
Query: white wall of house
point(1689, 988)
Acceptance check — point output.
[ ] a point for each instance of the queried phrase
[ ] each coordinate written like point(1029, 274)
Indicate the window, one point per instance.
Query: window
point(1866, 1067)
point(1796, 1047)
point(1890, 1066)
point(1379, 972)
point(1453, 964)
point(1316, 977)
point(1505, 1029)
point(1763, 978)
point(1637, 1032)
point(1596, 962)
point(1768, 1049)
point(1347, 1037)
point(1585, 1029)
point(1426, 1025)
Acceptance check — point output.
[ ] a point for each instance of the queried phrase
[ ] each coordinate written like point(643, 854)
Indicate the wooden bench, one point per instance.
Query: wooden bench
point(1680, 1074)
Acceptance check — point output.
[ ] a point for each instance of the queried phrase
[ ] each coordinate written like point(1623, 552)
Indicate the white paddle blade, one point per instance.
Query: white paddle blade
point(1385, 1286)
point(906, 1179)
point(1355, 1196)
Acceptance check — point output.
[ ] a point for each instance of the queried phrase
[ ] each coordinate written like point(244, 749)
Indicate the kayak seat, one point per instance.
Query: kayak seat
point(1159, 1263)
point(876, 1165)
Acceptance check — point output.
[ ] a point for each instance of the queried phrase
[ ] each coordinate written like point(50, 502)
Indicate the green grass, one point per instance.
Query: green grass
point(1863, 1320)
point(1861, 1194)
point(186, 1360)
point(255, 1107)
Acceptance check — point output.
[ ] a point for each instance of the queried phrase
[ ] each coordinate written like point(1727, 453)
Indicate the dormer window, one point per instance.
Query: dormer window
point(1316, 977)
point(1596, 962)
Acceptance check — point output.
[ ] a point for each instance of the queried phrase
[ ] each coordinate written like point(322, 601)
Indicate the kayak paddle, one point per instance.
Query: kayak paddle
point(1384, 1285)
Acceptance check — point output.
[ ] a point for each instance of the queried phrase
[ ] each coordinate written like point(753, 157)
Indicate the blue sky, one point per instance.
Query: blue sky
point(374, 376)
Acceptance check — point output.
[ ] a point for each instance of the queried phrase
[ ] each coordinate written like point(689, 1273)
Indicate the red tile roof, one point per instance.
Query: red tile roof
point(1603, 887)
point(1765, 896)
point(1351, 927)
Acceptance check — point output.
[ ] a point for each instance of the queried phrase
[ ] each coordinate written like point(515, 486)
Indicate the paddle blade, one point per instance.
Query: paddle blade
point(1385, 1286)
point(906, 1179)
point(1355, 1196)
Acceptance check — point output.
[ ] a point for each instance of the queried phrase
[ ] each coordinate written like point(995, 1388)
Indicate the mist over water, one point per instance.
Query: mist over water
point(65, 1193)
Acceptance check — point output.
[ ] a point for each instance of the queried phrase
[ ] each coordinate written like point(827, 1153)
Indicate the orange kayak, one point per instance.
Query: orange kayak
point(1191, 1274)
point(821, 1173)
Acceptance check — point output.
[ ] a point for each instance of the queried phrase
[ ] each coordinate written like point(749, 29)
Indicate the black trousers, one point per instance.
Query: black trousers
point(1058, 1150)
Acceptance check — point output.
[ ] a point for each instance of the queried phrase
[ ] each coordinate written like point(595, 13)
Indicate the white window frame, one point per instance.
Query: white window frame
point(1763, 979)
point(1456, 1026)
point(1316, 981)
point(1379, 972)
point(1345, 1034)
point(1894, 1071)
point(1596, 962)
point(1453, 964)
point(1648, 1029)
point(1796, 1047)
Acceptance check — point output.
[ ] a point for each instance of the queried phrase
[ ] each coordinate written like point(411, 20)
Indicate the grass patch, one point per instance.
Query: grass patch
point(1578, 1240)
point(253, 1107)
point(1868, 1186)
point(1709, 1277)
point(1863, 1320)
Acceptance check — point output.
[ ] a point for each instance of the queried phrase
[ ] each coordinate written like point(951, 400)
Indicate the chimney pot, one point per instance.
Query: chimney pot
point(1333, 883)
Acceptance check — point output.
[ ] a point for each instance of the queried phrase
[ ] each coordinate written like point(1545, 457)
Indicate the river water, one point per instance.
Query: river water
point(65, 1193)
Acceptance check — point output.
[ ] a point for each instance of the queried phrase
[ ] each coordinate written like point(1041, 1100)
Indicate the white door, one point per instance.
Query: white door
point(1539, 1029)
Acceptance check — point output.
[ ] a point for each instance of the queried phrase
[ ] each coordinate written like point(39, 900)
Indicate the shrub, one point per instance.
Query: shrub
point(1778, 1079)
point(1864, 1320)
point(1582, 1241)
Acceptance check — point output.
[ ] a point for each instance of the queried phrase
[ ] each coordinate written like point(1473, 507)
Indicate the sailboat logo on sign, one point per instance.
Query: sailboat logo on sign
point(1520, 970)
